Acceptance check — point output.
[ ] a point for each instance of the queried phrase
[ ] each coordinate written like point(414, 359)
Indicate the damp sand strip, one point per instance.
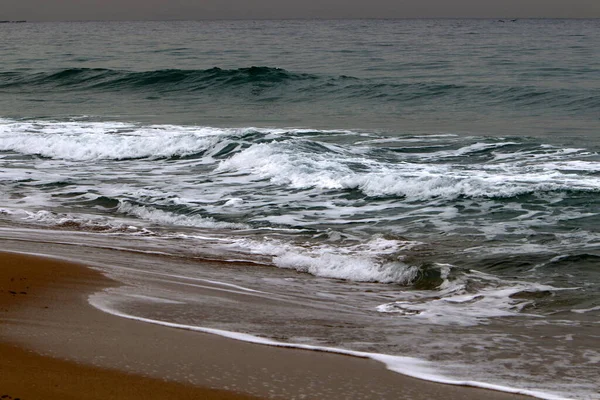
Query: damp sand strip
point(53, 345)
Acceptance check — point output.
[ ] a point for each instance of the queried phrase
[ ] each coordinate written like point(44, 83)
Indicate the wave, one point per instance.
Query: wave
point(88, 141)
point(414, 178)
point(166, 218)
point(376, 260)
point(301, 160)
point(81, 141)
point(263, 83)
point(104, 224)
point(165, 79)
point(78, 222)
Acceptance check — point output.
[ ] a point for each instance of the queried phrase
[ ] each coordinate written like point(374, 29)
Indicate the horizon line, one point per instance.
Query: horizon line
point(497, 18)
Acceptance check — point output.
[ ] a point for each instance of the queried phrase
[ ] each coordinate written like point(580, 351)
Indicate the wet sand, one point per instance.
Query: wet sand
point(55, 345)
point(30, 283)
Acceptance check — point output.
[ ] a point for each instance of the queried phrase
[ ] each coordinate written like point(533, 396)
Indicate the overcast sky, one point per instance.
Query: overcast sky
point(49, 10)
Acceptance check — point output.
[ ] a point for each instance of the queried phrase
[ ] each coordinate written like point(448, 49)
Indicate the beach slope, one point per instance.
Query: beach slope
point(55, 345)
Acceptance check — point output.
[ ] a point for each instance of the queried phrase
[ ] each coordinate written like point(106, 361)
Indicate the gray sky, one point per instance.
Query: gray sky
point(48, 10)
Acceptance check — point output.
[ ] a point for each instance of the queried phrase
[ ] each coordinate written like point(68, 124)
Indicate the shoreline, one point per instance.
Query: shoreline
point(27, 284)
point(55, 319)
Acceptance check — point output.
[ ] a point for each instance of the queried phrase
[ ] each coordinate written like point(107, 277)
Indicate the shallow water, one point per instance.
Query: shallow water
point(417, 188)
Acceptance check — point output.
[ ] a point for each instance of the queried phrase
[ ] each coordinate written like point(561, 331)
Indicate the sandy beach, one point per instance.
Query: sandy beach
point(32, 284)
point(54, 345)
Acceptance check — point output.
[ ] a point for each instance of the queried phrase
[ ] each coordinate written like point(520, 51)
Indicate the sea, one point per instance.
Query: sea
point(425, 193)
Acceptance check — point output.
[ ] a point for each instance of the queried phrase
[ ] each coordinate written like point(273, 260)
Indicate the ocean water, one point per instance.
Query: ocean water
point(426, 192)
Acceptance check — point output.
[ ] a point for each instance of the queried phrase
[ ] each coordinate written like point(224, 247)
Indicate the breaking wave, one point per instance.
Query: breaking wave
point(413, 168)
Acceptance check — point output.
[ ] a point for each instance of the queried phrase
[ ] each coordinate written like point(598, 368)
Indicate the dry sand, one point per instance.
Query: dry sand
point(54, 345)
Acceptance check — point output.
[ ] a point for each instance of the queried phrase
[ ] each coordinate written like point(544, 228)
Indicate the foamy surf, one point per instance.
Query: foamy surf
point(408, 233)
point(408, 366)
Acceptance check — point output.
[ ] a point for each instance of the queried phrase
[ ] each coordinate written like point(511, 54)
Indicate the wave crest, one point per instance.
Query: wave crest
point(166, 79)
point(263, 82)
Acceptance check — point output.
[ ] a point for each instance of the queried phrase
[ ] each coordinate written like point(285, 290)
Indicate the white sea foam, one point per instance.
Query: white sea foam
point(466, 150)
point(378, 260)
point(167, 218)
point(585, 310)
point(290, 163)
point(467, 309)
point(99, 141)
point(409, 366)
point(88, 222)
point(283, 164)
point(362, 269)
point(233, 202)
point(85, 141)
